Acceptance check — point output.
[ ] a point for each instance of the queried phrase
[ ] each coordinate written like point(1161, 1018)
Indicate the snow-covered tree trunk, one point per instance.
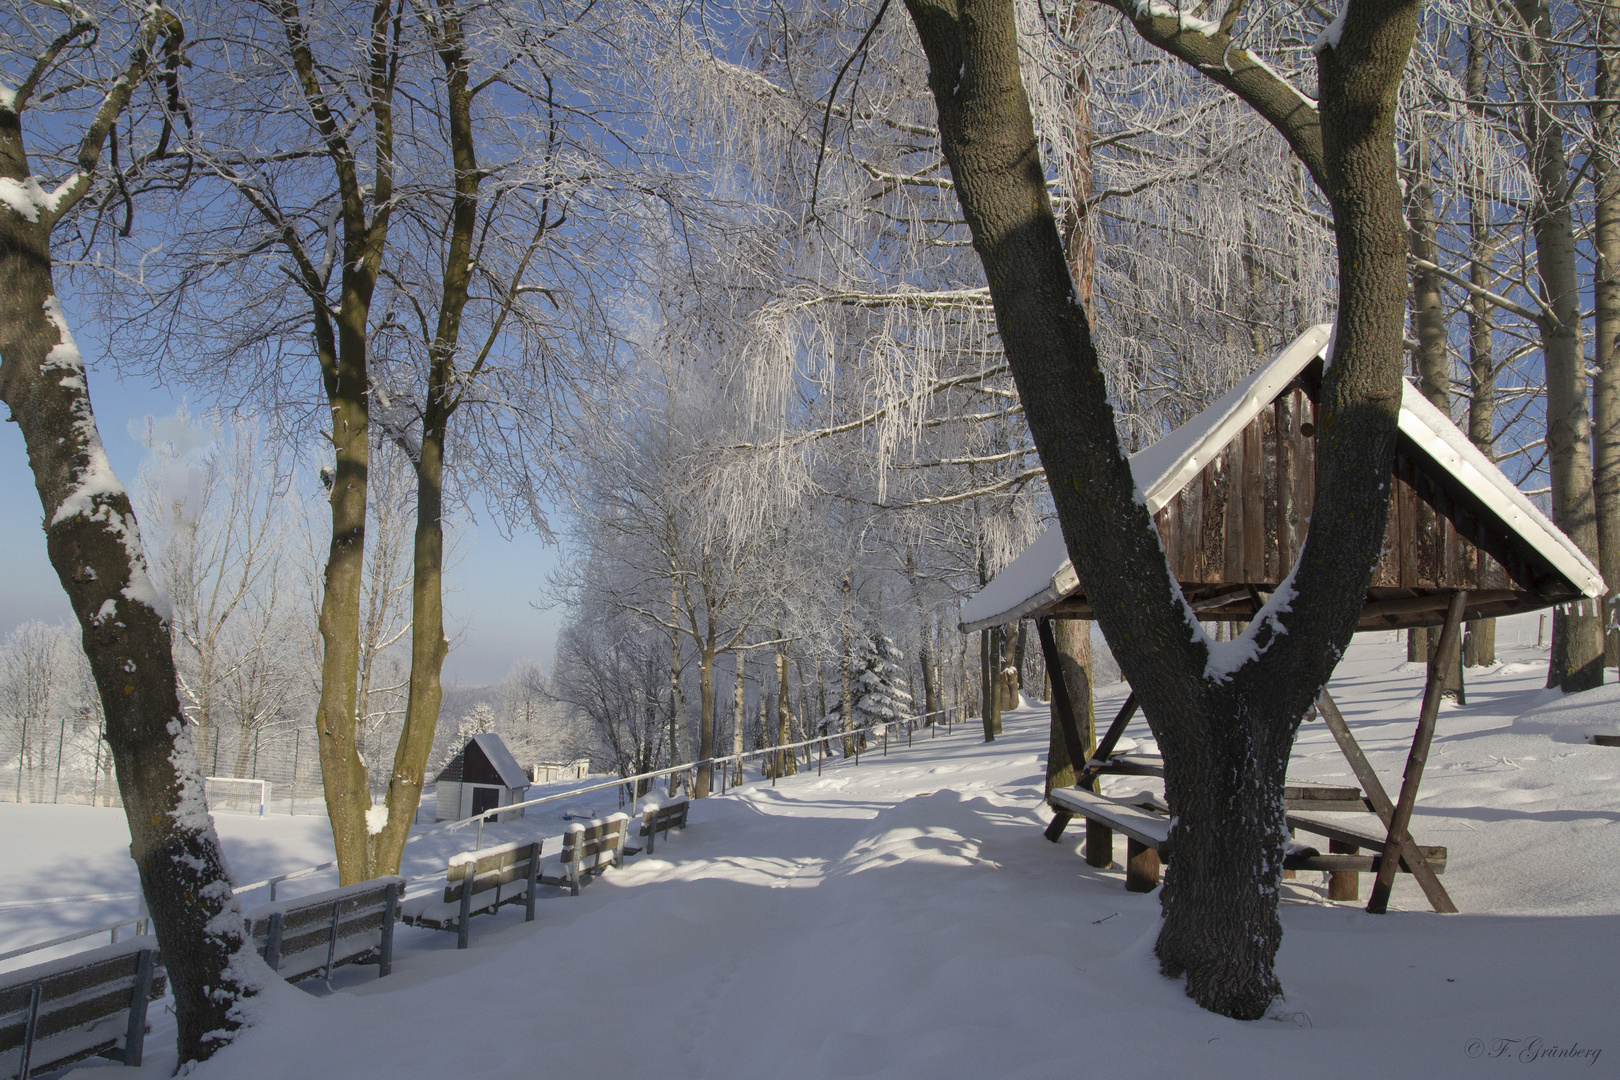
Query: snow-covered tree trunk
point(94, 544)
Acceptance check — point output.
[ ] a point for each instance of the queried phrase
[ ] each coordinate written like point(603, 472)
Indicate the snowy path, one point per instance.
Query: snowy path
point(906, 919)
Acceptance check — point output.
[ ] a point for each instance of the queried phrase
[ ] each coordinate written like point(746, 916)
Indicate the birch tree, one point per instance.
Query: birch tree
point(76, 92)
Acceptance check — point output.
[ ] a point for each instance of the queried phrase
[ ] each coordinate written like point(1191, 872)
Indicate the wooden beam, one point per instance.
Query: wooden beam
point(1444, 657)
point(1439, 899)
point(1105, 749)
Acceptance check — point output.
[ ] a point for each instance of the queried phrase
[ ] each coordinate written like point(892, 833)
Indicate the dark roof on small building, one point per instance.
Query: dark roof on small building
point(484, 760)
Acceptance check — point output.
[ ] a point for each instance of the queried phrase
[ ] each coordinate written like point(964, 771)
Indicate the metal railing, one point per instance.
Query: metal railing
point(854, 736)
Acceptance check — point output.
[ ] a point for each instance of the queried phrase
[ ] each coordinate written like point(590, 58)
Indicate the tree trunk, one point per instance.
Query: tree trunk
point(1480, 647)
point(700, 786)
point(93, 542)
point(930, 676)
point(1428, 321)
point(1073, 638)
point(1606, 293)
point(989, 651)
point(847, 671)
point(1225, 735)
point(738, 717)
point(789, 764)
point(1576, 662)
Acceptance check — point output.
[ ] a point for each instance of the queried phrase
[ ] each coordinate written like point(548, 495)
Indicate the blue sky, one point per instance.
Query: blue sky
point(491, 592)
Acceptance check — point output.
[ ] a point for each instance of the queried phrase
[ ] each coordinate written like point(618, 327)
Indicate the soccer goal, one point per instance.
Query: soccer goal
point(236, 794)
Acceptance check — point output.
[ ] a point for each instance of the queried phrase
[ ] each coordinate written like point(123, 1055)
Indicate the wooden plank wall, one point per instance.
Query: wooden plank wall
point(1243, 519)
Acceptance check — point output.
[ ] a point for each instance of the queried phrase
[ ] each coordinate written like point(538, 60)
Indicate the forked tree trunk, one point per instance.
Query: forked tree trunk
point(1228, 731)
point(94, 545)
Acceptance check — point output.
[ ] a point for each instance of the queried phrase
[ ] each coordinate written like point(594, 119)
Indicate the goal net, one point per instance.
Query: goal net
point(237, 795)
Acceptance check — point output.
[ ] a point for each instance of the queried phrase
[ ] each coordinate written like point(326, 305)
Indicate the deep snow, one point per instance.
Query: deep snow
point(906, 918)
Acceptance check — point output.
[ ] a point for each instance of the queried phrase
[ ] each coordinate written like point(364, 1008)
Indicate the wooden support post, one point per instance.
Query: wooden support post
point(1439, 899)
point(1343, 884)
point(1060, 821)
point(1105, 749)
point(332, 939)
point(385, 947)
point(30, 1029)
point(135, 1033)
point(652, 835)
point(464, 916)
point(272, 941)
point(1445, 656)
point(1288, 875)
point(1141, 866)
point(1099, 845)
point(534, 880)
point(1061, 701)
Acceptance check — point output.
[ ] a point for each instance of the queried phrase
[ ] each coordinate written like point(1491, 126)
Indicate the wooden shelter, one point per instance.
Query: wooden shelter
point(482, 777)
point(1231, 494)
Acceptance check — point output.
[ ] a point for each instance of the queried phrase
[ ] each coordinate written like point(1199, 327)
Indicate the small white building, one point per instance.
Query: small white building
point(482, 777)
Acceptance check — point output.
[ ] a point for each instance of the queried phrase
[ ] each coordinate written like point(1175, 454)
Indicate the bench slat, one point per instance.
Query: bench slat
point(1141, 826)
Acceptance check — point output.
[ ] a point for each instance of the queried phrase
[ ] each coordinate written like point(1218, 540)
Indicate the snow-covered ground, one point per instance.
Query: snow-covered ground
point(906, 918)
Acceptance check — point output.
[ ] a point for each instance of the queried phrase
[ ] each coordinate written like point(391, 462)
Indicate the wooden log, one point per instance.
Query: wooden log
point(1060, 821)
point(1099, 845)
point(1141, 866)
point(1444, 659)
point(1343, 884)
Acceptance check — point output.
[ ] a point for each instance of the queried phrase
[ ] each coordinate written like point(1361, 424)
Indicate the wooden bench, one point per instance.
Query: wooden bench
point(63, 1011)
point(479, 881)
point(1147, 832)
point(1144, 821)
point(660, 818)
point(318, 933)
point(590, 847)
point(1343, 865)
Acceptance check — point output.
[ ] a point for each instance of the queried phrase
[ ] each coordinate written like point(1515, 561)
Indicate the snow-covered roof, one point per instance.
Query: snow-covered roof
point(512, 774)
point(1042, 574)
point(494, 749)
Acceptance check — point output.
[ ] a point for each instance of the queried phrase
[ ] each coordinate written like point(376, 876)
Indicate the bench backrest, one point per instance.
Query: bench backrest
point(304, 941)
point(488, 868)
point(84, 1005)
point(590, 841)
point(666, 817)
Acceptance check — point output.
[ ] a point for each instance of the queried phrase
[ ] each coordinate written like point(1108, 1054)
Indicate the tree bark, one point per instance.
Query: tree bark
point(1226, 735)
point(1576, 661)
point(93, 543)
point(790, 764)
point(1480, 647)
point(1428, 317)
point(1606, 293)
point(341, 343)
